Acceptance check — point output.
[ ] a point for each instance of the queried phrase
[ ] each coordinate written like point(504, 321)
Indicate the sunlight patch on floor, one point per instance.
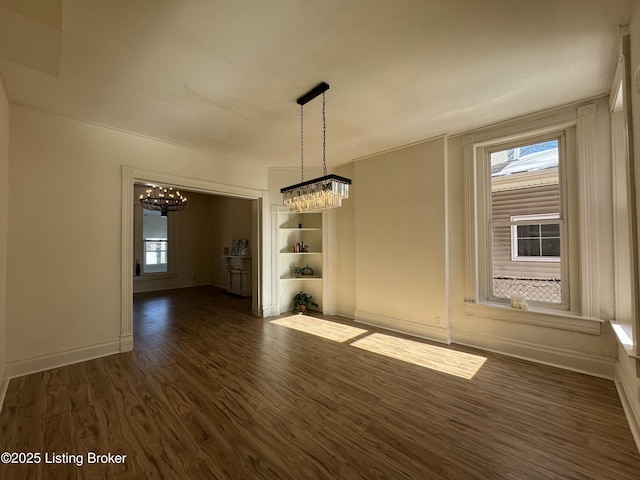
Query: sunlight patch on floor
point(321, 328)
point(456, 363)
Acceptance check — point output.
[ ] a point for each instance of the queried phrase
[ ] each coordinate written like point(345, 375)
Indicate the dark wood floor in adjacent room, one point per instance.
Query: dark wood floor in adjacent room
point(211, 392)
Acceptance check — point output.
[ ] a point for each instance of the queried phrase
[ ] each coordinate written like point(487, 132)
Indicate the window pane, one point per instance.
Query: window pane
point(528, 231)
point(152, 258)
point(525, 187)
point(535, 157)
point(528, 247)
point(155, 252)
point(551, 247)
point(550, 230)
point(154, 237)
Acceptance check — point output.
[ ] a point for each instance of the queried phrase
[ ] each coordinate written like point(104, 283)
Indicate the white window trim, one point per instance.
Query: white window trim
point(581, 116)
point(514, 236)
point(626, 324)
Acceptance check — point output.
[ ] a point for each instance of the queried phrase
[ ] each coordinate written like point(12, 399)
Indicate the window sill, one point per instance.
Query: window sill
point(624, 333)
point(154, 276)
point(535, 316)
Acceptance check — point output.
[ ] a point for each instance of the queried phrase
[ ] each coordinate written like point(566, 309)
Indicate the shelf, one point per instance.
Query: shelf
point(287, 235)
point(296, 229)
point(302, 277)
point(300, 253)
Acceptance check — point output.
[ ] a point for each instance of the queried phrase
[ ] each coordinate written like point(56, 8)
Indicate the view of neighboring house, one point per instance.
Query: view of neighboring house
point(526, 222)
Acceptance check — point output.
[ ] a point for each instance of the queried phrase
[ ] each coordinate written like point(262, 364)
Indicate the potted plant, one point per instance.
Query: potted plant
point(302, 301)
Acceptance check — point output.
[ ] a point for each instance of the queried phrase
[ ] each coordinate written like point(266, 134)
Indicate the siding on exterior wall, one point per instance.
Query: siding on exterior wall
point(535, 200)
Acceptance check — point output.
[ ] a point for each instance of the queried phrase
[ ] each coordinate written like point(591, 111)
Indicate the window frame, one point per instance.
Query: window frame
point(146, 241)
point(138, 250)
point(534, 219)
point(485, 225)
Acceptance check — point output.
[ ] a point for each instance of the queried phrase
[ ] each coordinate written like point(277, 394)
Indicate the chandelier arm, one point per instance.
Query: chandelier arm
point(158, 198)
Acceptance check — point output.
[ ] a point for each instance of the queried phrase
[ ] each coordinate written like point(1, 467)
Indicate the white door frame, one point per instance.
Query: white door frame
point(260, 266)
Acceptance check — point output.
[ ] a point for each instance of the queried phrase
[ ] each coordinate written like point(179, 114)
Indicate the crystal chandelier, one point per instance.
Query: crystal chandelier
point(163, 199)
point(321, 193)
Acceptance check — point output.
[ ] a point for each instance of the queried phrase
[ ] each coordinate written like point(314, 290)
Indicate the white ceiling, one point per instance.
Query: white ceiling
point(222, 76)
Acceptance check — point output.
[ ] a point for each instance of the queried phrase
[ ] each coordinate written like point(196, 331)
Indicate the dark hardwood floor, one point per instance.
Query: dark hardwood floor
point(211, 392)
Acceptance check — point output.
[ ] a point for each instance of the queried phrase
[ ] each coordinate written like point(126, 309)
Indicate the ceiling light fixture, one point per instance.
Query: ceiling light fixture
point(163, 199)
point(321, 193)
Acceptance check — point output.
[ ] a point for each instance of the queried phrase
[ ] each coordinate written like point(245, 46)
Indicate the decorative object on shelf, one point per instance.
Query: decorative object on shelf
point(299, 225)
point(321, 193)
point(163, 199)
point(240, 248)
point(297, 271)
point(307, 270)
point(300, 247)
point(302, 302)
point(225, 250)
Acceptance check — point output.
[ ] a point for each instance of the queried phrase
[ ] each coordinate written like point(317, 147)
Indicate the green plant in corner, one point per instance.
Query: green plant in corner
point(302, 301)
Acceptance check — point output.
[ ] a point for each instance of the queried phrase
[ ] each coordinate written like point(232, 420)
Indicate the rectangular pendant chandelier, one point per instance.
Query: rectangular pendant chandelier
point(322, 193)
point(318, 194)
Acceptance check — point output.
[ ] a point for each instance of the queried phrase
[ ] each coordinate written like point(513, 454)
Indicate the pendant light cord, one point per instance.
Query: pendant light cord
point(301, 143)
point(324, 134)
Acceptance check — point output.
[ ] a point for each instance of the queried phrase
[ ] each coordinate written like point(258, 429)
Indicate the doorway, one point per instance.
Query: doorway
point(131, 177)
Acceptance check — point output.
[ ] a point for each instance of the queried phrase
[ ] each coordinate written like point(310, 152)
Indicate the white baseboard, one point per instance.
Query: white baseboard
point(633, 418)
point(347, 312)
point(329, 308)
point(270, 311)
point(151, 286)
point(428, 332)
point(126, 343)
point(595, 365)
point(60, 359)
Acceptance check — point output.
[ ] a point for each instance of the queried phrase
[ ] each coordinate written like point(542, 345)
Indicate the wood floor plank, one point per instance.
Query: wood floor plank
point(211, 392)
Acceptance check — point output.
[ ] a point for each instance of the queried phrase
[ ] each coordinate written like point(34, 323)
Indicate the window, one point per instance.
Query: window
point(155, 242)
point(524, 222)
point(561, 154)
point(535, 242)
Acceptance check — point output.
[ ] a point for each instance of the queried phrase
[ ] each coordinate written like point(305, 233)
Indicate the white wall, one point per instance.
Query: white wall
point(400, 240)
point(64, 245)
point(4, 217)
point(346, 247)
point(230, 220)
